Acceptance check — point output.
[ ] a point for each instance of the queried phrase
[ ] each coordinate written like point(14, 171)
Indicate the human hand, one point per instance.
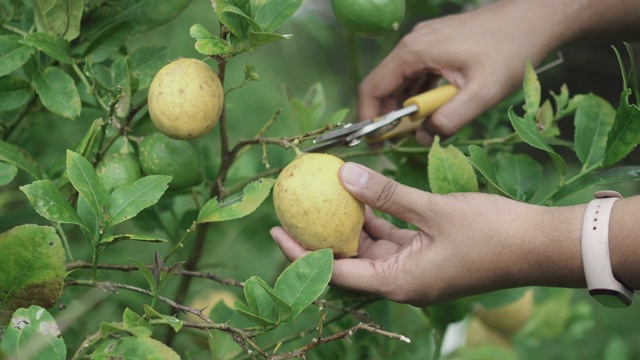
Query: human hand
point(466, 243)
point(482, 52)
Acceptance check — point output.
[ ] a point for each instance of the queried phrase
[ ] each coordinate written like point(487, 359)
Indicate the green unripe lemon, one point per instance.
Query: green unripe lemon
point(314, 207)
point(185, 99)
point(371, 18)
point(118, 169)
point(161, 155)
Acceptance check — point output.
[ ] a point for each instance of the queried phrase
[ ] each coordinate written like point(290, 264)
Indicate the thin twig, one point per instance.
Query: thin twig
point(224, 281)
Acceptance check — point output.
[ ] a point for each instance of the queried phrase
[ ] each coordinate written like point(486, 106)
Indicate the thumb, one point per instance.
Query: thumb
point(384, 194)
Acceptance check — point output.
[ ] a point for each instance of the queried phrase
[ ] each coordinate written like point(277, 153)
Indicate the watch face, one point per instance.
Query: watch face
point(610, 298)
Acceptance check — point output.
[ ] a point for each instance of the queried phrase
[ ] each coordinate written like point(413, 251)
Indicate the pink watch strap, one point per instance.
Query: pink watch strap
point(596, 258)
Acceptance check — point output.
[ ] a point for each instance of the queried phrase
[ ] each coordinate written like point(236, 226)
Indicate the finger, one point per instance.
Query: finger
point(384, 194)
point(290, 248)
point(378, 249)
point(380, 229)
point(363, 275)
point(463, 108)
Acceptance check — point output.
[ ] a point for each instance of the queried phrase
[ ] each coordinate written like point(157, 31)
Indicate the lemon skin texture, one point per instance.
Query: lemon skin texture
point(185, 99)
point(161, 155)
point(314, 207)
point(370, 18)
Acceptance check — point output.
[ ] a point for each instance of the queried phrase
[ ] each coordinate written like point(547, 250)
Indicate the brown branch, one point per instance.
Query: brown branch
point(300, 353)
point(245, 337)
point(224, 281)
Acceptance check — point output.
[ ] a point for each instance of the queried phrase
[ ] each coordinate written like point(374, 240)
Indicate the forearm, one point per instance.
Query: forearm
point(611, 19)
point(555, 256)
point(624, 241)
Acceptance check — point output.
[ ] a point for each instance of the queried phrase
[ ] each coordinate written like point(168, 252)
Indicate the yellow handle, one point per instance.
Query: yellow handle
point(427, 102)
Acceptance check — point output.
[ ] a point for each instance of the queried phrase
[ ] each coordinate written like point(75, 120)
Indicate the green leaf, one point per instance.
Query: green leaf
point(273, 13)
point(110, 240)
point(91, 138)
point(519, 175)
point(34, 272)
point(131, 319)
point(630, 79)
point(148, 275)
point(20, 158)
point(236, 16)
point(531, 91)
point(14, 92)
point(618, 174)
point(33, 334)
point(257, 298)
point(264, 302)
point(545, 120)
point(252, 196)
point(112, 31)
point(172, 321)
point(245, 311)
point(51, 16)
point(528, 132)
point(449, 170)
point(208, 44)
point(549, 318)
point(593, 120)
point(145, 15)
point(51, 45)
point(261, 38)
point(74, 16)
point(479, 158)
point(127, 201)
point(146, 62)
point(110, 328)
point(13, 54)
point(305, 279)
point(85, 179)
point(134, 347)
point(7, 173)
point(625, 132)
point(561, 99)
point(121, 77)
point(50, 203)
point(58, 92)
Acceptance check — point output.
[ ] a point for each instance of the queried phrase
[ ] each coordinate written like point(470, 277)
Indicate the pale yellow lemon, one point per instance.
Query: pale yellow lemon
point(185, 99)
point(314, 207)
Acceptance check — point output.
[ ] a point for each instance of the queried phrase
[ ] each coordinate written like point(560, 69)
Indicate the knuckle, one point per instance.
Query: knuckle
point(386, 194)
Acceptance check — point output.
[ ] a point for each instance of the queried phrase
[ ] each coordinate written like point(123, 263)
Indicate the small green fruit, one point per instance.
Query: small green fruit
point(118, 169)
point(161, 155)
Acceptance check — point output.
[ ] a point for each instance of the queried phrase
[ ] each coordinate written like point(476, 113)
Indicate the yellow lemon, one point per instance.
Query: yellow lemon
point(314, 207)
point(185, 99)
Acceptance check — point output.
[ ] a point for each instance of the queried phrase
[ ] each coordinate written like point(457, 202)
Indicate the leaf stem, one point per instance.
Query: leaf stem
point(65, 241)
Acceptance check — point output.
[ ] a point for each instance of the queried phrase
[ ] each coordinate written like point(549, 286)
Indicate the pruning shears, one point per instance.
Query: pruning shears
point(393, 124)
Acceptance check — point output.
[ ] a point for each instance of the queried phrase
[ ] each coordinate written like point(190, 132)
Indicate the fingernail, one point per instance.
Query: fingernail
point(354, 174)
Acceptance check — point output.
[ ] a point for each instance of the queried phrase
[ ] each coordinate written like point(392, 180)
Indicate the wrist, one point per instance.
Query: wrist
point(556, 248)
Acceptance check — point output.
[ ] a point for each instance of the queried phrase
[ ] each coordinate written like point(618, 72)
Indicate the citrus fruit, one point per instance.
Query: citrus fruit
point(314, 207)
point(207, 300)
point(118, 169)
point(479, 334)
point(161, 155)
point(185, 99)
point(370, 18)
point(508, 319)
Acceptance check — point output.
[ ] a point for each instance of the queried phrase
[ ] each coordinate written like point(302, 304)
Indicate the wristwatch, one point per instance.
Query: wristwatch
point(596, 259)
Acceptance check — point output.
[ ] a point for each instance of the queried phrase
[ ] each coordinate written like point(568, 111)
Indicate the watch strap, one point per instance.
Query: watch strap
point(596, 258)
